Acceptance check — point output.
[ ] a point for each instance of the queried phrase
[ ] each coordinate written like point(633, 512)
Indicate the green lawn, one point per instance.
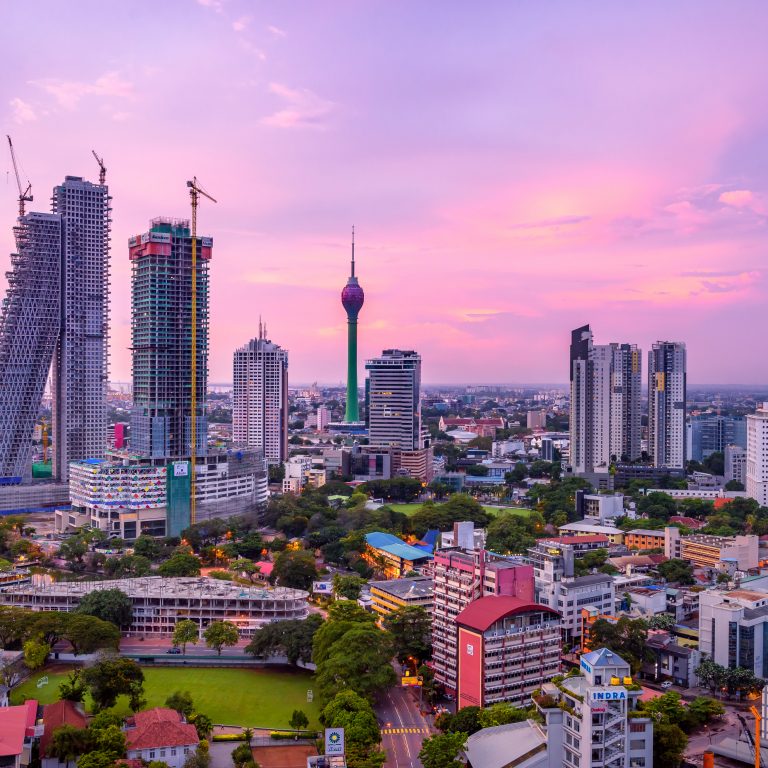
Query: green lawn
point(247, 697)
point(412, 509)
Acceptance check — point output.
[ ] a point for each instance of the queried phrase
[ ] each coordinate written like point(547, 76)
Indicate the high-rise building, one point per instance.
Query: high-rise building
point(709, 433)
point(735, 464)
point(757, 455)
point(393, 396)
point(260, 398)
point(80, 369)
point(605, 403)
point(29, 328)
point(352, 298)
point(323, 418)
point(161, 335)
point(666, 404)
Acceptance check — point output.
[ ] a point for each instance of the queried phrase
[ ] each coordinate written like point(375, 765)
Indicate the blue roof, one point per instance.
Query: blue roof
point(428, 541)
point(388, 542)
point(602, 657)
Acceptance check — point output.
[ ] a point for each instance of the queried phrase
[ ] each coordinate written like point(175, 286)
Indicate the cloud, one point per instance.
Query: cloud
point(738, 198)
point(215, 5)
point(304, 109)
point(555, 222)
point(241, 24)
point(276, 31)
point(22, 112)
point(68, 93)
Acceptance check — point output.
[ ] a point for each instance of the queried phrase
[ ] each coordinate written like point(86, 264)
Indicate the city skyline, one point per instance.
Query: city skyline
point(482, 224)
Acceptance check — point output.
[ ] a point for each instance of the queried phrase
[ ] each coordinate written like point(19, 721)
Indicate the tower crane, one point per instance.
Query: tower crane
point(25, 195)
point(754, 740)
point(102, 168)
point(195, 190)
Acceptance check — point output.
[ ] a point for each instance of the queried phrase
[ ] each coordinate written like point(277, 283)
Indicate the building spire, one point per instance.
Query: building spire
point(353, 250)
point(261, 331)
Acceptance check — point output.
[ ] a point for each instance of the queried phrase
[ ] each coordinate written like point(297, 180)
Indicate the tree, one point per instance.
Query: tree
point(292, 638)
point(221, 633)
point(111, 740)
point(68, 743)
point(669, 744)
point(442, 751)
point(50, 626)
point(501, 714)
point(203, 724)
point(510, 533)
point(667, 708)
point(147, 546)
point(108, 605)
point(466, 720)
point(74, 687)
point(87, 634)
point(184, 632)
point(247, 568)
point(295, 568)
point(626, 637)
point(96, 759)
point(128, 566)
point(111, 677)
point(411, 631)
point(299, 721)
point(347, 586)
point(182, 702)
point(200, 758)
point(662, 621)
point(242, 757)
point(180, 564)
point(701, 711)
point(355, 714)
point(14, 624)
point(73, 550)
point(35, 653)
point(676, 571)
point(250, 546)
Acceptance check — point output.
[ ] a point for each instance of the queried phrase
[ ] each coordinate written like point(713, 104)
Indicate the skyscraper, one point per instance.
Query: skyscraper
point(161, 335)
point(393, 394)
point(605, 403)
point(666, 404)
point(80, 370)
point(352, 298)
point(260, 398)
point(757, 456)
point(29, 327)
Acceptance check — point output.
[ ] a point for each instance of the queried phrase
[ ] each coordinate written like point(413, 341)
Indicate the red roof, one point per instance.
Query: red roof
point(590, 538)
point(158, 728)
point(483, 613)
point(688, 522)
point(54, 716)
point(13, 725)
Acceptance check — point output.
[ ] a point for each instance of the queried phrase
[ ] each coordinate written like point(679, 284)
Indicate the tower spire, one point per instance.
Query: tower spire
point(261, 332)
point(353, 250)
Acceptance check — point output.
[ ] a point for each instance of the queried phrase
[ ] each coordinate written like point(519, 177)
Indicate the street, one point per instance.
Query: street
point(403, 728)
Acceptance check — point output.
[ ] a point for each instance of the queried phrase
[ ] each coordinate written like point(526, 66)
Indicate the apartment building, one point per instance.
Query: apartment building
point(640, 538)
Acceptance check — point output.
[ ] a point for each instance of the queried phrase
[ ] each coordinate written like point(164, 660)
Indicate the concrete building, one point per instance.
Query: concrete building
point(604, 507)
point(757, 455)
point(507, 648)
point(666, 404)
point(296, 469)
point(547, 450)
point(158, 603)
point(389, 596)
point(389, 554)
point(522, 745)
point(80, 369)
point(709, 433)
point(671, 661)
point(461, 577)
point(716, 552)
point(160, 734)
point(536, 419)
point(464, 536)
point(641, 538)
point(29, 332)
point(591, 527)
point(260, 398)
point(736, 464)
point(18, 732)
point(323, 418)
point(592, 726)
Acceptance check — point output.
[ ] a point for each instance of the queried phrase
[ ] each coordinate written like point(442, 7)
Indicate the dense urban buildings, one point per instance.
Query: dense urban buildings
point(352, 299)
point(29, 329)
point(666, 404)
point(757, 455)
point(80, 369)
point(161, 336)
point(260, 398)
point(710, 433)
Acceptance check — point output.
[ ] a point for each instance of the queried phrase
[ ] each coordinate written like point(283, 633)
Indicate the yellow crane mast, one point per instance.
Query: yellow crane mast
point(195, 190)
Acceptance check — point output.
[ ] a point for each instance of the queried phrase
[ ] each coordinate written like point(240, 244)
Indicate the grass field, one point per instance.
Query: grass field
point(412, 509)
point(247, 697)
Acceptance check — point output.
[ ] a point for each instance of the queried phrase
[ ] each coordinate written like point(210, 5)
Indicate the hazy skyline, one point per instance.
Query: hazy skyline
point(513, 170)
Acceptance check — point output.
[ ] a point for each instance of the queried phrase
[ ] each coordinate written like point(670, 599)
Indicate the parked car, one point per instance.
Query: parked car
point(174, 650)
point(667, 684)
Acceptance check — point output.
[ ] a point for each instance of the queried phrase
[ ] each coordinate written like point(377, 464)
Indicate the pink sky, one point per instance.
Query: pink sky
point(513, 169)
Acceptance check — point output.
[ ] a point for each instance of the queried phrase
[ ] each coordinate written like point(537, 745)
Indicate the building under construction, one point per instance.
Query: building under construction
point(161, 334)
point(29, 329)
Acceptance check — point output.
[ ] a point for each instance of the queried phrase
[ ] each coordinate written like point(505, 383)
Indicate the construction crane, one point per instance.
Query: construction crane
point(754, 740)
point(25, 195)
point(102, 168)
point(195, 190)
point(44, 438)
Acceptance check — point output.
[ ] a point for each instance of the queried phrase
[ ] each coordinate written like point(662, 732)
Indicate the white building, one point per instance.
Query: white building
point(323, 418)
point(666, 404)
point(160, 735)
point(260, 398)
point(592, 728)
point(757, 455)
point(735, 464)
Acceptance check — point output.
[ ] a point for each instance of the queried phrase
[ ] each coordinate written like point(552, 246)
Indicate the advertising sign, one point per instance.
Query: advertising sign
point(334, 741)
point(322, 587)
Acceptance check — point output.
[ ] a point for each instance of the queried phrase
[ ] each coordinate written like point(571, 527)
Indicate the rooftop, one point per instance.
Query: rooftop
point(505, 745)
point(13, 728)
point(55, 715)
point(388, 542)
point(159, 727)
point(414, 588)
point(582, 525)
point(646, 532)
point(483, 613)
point(596, 538)
point(602, 657)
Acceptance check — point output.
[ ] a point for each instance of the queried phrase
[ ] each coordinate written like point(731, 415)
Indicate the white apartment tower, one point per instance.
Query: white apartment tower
point(757, 455)
point(81, 359)
point(605, 403)
point(260, 398)
point(666, 404)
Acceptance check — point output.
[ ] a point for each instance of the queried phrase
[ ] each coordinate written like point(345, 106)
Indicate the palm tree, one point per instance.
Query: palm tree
point(248, 735)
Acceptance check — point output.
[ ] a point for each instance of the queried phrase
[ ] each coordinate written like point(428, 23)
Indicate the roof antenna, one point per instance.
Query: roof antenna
point(261, 333)
point(353, 250)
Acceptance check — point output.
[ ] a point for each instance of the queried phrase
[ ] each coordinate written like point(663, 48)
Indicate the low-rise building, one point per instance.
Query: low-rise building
point(389, 596)
point(392, 556)
point(464, 535)
point(591, 527)
point(523, 745)
point(648, 600)
point(160, 735)
point(640, 538)
point(56, 715)
point(671, 661)
point(18, 731)
point(507, 648)
point(704, 551)
point(602, 506)
point(158, 603)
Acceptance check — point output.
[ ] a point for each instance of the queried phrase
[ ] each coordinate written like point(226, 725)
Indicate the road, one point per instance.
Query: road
point(403, 728)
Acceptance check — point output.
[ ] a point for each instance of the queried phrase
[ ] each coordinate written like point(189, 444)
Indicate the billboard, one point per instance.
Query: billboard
point(177, 498)
point(322, 587)
point(334, 741)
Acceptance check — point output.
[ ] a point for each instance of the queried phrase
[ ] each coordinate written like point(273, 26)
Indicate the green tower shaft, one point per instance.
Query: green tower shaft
point(352, 413)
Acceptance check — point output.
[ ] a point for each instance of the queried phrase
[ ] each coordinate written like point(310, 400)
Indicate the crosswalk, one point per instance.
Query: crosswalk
point(405, 730)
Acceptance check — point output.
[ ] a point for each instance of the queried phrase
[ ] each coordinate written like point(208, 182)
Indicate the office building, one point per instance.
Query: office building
point(666, 404)
point(29, 329)
point(605, 403)
point(161, 336)
point(536, 419)
point(717, 552)
point(735, 464)
point(757, 455)
point(461, 577)
point(158, 603)
point(352, 299)
point(80, 370)
point(260, 398)
point(547, 450)
point(508, 647)
point(709, 433)
point(587, 717)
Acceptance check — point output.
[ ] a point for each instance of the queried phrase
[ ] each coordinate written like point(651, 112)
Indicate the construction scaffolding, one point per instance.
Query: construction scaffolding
point(29, 328)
